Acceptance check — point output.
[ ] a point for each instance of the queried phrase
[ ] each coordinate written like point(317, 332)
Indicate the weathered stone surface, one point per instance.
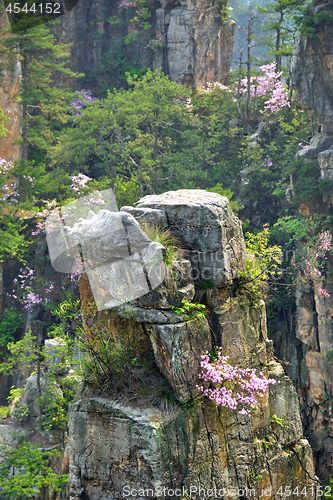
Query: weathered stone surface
point(195, 45)
point(31, 395)
point(113, 447)
point(212, 448)
point(325, 161)
point(208, 229)
point(105, 237)
point(318, 144)
point(311, 74)
point(304, 349)
point(163, 297)
point(177, 349)
point(150, 216)
point(13, 434)
point(149, 315)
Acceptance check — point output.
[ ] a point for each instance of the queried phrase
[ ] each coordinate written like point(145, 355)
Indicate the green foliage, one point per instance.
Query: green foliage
point(54, 414)
point(152, 137)
point(10, 323)
point(173, 252)
point(308, 22)
point(278, 421)
point(192, 310)
point(3, 119)
point(25, 472)
point(24, 356)
point(20, 412)
point(4, 413)
point(261, 265)
point(254, 478)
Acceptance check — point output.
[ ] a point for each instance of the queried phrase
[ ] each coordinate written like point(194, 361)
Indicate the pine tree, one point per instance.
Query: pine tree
point(43, 59)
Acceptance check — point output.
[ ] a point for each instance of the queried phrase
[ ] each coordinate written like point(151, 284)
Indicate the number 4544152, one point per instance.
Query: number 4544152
point(48, 8)
point(315, 491)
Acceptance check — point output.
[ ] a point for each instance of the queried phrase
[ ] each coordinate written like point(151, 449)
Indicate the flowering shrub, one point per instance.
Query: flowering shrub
point(268, 86)
point(80, 101)
point(41, 217)
point(236, 387)
point(315, 262)
point(266, 89)
point(79, 182)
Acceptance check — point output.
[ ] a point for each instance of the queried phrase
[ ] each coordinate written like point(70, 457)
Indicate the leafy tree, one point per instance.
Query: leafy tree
point(283, 23)
point(147, 132)
point(25, 471)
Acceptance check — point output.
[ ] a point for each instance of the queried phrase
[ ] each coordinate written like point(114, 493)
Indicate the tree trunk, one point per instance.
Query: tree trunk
point(155, 159)
point(24, 109)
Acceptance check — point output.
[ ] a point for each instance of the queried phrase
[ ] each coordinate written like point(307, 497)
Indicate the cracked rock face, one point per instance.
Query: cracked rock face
point(311, 74)
point(209, 231)
point(194, 44)
point(115, 446)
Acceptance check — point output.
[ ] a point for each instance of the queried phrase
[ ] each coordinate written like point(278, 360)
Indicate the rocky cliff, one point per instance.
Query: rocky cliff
point(11, 107)
point(120, 446)
point(303, 340)
point(189, 40)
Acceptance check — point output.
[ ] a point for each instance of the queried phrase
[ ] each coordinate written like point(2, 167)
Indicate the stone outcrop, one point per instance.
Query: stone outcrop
point(117, 446)
point(209, 231)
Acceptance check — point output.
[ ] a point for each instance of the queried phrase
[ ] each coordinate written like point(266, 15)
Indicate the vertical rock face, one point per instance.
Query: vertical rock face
point(192, 43)
point(118, 449)
point(311, 76)
point(311, 71)
point(305, 350)
point(9, 90)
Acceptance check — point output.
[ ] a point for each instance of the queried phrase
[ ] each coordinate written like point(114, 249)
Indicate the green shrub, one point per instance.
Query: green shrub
point(20, 412)
point(4, 413)
point(10, 322)
point(25, 470)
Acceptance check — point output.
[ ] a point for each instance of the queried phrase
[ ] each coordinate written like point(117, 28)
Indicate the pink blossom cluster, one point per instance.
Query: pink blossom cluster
point(302, 145)
point(268, 85)
point(40, 226)
point(25, 293)
point(80, 100)
point(125, 4)
point(79, 181)
point(9, 186)
point(267, 162)
point(235, 386)
point(324, 244)
point(211, 86)
point(313, 268)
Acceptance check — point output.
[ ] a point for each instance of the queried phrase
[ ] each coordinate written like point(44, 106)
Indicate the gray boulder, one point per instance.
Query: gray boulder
point(207, 228)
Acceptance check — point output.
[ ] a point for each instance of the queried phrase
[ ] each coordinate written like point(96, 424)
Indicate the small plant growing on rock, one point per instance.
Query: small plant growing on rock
point(192, 310)
point(279, 421)
point(164, 236)
point(234, 386)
